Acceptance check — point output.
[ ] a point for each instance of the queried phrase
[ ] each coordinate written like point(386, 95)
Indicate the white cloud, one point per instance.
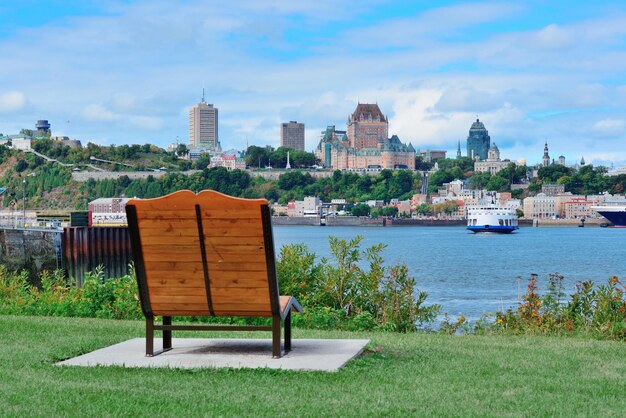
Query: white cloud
point(610, 126)
point(11, 101)
point(146, 122)
point(97, 112)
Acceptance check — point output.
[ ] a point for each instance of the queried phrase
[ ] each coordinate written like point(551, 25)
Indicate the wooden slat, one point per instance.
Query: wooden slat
point(177, 291)
point(156, 299)
point(215, 252)
point(151, 237)
point(164, 268)
point(156, 267)
point(245, 292)
point(151, 256)
point(231, 307)
point(181, 306)
point(165, 312)
point(207, 214)
point(190, 222)
point(222, 303)
point(226, 279)
point(147, 234)
point(242, 266)
point(235, 307)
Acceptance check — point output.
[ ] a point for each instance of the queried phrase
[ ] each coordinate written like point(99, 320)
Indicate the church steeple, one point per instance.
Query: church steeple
point(458, 150)
point(546, 156)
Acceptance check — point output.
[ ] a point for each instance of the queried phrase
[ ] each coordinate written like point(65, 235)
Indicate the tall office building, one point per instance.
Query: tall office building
point(292, 135)
point(203, 126)
point(478, 141)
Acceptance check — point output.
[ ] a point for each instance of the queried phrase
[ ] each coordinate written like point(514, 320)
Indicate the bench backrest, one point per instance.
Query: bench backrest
point(204, 254)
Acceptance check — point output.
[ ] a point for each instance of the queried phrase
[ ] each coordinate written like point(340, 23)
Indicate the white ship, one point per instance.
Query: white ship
point(491, 218)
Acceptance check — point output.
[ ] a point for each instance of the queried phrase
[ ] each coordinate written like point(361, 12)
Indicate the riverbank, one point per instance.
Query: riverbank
point(365, 221)
point(398, 375)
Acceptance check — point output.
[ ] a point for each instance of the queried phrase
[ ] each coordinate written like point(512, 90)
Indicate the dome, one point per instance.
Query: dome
point(522, 161)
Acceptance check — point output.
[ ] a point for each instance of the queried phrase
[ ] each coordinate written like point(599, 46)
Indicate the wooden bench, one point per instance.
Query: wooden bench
point(206, 255)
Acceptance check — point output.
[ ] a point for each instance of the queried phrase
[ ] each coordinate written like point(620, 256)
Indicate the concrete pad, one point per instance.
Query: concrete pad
point(191, 353)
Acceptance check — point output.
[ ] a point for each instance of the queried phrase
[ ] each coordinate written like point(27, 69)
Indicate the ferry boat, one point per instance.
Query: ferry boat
point(491, 218)
point(615, 213)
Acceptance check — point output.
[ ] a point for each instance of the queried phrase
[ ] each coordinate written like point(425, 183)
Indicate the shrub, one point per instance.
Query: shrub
point(342, 293)
point(598, 311)
point(58, 296)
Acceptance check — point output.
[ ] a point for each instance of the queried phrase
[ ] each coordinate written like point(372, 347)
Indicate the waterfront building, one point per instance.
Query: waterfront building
point(279, 210)
point(203, 126)
point(493, 164)
point(577, 207)
point(367, 129)
point(310, 206)
point(540, 207)
point(292, 135)
point(417, 200)
point(107, 211)
point(478, 141)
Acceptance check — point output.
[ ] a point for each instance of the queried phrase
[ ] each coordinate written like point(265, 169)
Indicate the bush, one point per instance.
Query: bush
point(343, 294)
point(57, 296)
point(598, 311)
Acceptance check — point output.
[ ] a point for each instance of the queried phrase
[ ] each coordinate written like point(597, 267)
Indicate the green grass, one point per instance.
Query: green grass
point(399, 375)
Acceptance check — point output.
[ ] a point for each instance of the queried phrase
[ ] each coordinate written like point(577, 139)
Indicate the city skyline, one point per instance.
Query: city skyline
point(117, 72)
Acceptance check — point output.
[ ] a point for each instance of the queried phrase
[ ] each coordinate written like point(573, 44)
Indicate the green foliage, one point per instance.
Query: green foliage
point(587, 180)
point(342, 293)
point(360, 209)
point(598, 311)
point(57, 296)
point(258, 157)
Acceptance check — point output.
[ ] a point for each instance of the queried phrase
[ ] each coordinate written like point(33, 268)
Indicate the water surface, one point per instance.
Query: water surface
point(471, 273)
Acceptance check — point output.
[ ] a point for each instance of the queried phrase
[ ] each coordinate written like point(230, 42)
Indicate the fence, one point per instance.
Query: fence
point(85, 248)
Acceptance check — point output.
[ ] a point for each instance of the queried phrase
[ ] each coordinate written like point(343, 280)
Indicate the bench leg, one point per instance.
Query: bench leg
point(167, 337)
point(149, 337)
point(276, 352)
point(288, 332)
point(167, 334)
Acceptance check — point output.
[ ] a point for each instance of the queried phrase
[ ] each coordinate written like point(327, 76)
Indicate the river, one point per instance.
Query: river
point(471, 274)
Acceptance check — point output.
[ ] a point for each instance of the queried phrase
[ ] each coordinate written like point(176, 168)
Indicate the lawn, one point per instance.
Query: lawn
point(399, 375)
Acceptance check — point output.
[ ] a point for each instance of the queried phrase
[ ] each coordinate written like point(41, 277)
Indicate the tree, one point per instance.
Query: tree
point(181, 149)
point(421, 165)
point(256, 156)
point(202, 162)
point(361, 209)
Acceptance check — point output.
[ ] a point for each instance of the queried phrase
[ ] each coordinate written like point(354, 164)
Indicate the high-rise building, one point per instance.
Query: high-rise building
point(292, 135)
point(367, 127)
point(478, 141)
point(203, 126)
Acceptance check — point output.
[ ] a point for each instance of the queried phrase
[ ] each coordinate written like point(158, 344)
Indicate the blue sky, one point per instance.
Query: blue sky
point(115, 72)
